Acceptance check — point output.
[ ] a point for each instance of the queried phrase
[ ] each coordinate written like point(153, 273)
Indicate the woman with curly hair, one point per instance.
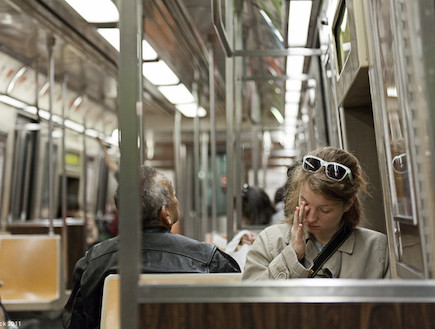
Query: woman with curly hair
point(321, 237)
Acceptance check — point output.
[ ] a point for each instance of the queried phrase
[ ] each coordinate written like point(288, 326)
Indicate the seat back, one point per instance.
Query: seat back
point(30, 269)
point(110, 310)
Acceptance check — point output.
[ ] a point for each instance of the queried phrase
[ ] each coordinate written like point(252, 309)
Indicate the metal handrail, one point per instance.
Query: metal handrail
point(216, 10)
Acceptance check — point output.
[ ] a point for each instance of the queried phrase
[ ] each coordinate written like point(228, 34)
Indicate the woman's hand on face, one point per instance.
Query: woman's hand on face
point(298, 236)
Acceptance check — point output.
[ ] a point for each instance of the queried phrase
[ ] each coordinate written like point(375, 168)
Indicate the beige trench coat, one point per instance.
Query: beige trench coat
point(364, 255)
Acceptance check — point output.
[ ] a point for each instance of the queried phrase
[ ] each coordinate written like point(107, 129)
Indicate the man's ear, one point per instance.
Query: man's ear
point(165, 218)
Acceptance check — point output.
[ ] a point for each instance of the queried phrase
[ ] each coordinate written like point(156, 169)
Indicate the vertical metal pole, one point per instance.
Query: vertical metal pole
point(264, 159)
point(238, 63)
point(140, 108)
point(84, 173)
point(255, 152)
point(85, 169)
point(212, 89)
point(177, 153)
point(50, 154)
point(229, 105)
point(64, 187)
point(204, 177)
point(130, 229)
point(196, 160)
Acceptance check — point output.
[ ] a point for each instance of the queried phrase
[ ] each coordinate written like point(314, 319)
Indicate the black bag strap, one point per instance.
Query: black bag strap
point(332, 246)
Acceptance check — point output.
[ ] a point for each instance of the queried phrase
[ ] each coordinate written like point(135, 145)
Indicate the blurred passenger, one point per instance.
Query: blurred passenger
point(92, 233)
point(279, 216)
point(162, 252)
point(280, 195)
point(72, 207)
point(321, 238)
point(110, 162)
point(257, 210)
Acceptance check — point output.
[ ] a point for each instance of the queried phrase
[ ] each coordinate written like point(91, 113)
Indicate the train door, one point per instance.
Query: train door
point(73, 168)
point(400, 89)
point(346, 38)
point(25, 142)
point(41, 171)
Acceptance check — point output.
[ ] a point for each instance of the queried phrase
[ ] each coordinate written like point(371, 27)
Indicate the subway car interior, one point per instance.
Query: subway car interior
point(220, 96)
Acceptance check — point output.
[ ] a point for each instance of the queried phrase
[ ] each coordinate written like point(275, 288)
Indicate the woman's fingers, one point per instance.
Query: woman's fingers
point(298, 241)
point(302, 212)
point(296, 218)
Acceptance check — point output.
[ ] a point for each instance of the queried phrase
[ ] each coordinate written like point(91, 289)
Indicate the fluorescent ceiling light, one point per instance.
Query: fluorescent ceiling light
point(148, 52)
point(292, 96)
point(277, 114)
point(159, 73)
point(31, 109)
point(178, 94)
point(392, 91)
point(289, 139)
point(44, 114)
point(18, 104)
point(299, 19)
point(12, 101)
point(111, 35)
point(312, 83)
point(189, 110)
point(57, 133)
point(92, 133)
point(74, 126)
point(293, 85)
point(57, 119)
point(95, 11)
point(32, 126)
point(44, 88)
point(18, 75)
point(295, 64)
point(291, 113)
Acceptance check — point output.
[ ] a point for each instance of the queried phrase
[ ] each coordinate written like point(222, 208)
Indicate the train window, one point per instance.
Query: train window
point(48, 155)
point(351, 52)
point(91, 183)
point(399, 169)
point(342, 37)
point(408, 245)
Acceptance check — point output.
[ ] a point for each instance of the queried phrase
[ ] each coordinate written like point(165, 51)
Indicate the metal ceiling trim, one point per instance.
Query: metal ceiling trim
point(296, 51)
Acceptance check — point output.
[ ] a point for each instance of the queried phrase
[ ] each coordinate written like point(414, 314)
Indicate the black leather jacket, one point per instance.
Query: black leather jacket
point(162, 252)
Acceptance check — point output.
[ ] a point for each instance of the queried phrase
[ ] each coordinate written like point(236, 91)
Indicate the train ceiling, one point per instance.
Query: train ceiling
point(181, 31)
point(189, 33)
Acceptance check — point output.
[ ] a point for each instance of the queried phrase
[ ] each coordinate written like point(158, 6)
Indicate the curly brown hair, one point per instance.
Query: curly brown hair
point(346, 190)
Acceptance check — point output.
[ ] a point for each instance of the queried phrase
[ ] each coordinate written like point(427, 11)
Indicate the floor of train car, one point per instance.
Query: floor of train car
point(37, 320)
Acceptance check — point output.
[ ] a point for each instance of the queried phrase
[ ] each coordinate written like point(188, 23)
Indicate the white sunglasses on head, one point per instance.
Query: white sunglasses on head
point(333, 170)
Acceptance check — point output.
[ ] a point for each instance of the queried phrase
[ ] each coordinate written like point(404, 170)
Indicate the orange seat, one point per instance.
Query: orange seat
point(110, 310)
point(30, 269)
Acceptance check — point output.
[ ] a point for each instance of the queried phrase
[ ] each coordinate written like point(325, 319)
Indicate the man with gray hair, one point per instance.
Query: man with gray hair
point(162, 252)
